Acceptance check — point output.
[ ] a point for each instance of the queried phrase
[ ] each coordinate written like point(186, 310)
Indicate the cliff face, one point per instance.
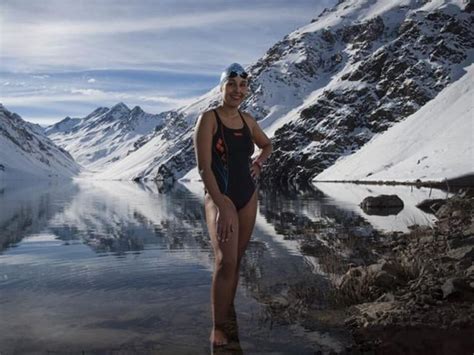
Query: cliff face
point(26, 153)
point(386, 68)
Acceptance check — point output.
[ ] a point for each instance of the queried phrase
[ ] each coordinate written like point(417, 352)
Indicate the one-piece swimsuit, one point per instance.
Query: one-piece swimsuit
point(231, 161)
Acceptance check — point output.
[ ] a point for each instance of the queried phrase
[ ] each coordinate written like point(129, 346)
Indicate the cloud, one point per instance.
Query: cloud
point(128, 36)
point(95, 97)
point(175, 102)
point(65, 57)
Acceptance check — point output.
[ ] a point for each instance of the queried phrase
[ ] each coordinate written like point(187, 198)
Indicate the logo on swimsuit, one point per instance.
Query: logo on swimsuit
point(238, 134)
point(220, 149)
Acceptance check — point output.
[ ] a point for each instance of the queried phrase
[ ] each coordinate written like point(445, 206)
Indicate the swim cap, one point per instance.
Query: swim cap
point(232, 71)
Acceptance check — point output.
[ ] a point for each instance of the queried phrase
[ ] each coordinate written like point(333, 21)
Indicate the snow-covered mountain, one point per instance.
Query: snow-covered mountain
point(435, 143)
point(26, 153)
point(167, 154)
point(105, 135)
point(379, 62)
point(327, 88)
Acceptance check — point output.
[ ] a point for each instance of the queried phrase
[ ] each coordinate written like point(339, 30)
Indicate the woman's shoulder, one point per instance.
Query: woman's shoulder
point(207, 116)
point(249, 119)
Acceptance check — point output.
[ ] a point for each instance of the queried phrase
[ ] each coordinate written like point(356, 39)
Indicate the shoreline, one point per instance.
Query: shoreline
point(395, 292)
point(421, 290)
point(465, 181)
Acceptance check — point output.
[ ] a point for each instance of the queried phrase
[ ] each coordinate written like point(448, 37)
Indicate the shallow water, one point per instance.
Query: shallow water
point(113, 266)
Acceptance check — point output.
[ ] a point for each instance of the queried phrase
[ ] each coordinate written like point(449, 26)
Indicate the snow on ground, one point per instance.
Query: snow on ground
point(435, 143)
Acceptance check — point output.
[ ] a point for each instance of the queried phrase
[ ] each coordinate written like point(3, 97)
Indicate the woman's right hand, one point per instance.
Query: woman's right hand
point(226, 220)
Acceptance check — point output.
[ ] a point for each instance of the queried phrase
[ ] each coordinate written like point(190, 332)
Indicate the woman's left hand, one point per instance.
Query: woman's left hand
point(255, 171)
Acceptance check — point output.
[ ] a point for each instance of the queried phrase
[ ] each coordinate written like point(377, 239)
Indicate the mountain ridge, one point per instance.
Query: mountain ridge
point(105, 135)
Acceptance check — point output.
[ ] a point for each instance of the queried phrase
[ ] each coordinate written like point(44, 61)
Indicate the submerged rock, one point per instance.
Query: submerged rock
point(382, 205)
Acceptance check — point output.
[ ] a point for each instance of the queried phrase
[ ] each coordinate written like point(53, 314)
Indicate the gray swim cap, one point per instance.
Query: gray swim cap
point(232, 71)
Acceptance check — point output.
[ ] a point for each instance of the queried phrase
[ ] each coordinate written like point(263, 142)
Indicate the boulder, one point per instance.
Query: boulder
point(382, 205)
point(465, 252)
point(458, 288)
point(431, 205)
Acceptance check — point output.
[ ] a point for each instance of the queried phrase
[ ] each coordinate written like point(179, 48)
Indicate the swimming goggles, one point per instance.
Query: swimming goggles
point(233, 74)
point(232, 71)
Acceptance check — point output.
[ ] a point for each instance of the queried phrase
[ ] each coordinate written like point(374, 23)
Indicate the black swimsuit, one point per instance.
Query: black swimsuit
point(231, 160)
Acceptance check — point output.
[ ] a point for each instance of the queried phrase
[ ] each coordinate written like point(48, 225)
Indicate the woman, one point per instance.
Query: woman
point(224, 143)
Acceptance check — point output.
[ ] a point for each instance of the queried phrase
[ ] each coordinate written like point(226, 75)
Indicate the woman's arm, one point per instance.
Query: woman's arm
point(262, 141)
point(202, 147)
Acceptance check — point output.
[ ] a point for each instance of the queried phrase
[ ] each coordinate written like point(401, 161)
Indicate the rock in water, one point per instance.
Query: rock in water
point(382, 205)
point(431, 205)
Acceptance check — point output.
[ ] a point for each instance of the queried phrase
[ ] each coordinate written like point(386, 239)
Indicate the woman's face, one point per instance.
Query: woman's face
point(234, 91)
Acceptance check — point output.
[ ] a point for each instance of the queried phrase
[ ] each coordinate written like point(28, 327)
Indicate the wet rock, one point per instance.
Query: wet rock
point(469, 231)
point(443, 212)
point(460, 323)
point(431, 205)
point(386, 297)
point(382, 205)
point(458, 288)
point(461, 242)
point(466, 252)
point(470, 271)
point(437, 293)
point(384, 280)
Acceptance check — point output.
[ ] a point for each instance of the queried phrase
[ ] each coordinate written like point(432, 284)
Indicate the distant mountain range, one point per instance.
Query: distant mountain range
point(321, 93)
point(105, 135)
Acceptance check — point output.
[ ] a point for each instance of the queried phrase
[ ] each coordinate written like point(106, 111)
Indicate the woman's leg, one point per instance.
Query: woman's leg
point(224, 272)
point(247, 216)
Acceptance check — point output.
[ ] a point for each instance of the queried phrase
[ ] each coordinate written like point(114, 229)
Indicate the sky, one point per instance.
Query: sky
point(63, 58)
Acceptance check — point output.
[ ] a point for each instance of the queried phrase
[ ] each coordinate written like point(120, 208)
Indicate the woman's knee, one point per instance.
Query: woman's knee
point(226, 265)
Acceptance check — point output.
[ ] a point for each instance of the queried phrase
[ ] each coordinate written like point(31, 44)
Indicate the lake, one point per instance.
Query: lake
point(118, 267)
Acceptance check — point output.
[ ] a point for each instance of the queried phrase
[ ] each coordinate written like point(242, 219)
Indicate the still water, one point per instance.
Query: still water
point(117, 267)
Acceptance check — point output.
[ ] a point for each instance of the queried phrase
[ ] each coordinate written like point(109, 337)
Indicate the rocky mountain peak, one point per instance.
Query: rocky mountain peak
point(137, 110)
point(120, 107)
point(97, 112)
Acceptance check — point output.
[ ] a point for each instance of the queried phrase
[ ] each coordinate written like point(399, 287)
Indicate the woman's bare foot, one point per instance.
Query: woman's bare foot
point(218, 337)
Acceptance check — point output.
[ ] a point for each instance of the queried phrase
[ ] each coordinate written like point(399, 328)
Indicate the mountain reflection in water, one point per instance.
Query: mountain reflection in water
point(101, 266)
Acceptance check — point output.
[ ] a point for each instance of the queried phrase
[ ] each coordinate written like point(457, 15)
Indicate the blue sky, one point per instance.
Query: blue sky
point(63, 58)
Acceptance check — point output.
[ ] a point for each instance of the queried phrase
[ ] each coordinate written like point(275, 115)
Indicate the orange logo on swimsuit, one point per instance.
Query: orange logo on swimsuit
point(221, 149)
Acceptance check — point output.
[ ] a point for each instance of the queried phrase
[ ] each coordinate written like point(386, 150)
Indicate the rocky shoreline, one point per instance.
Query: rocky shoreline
point(420, 291)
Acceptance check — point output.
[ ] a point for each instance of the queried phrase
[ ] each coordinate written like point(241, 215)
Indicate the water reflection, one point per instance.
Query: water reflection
point(26, 209)
point(119, 217)
point(102, 266)
point(349, 196)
